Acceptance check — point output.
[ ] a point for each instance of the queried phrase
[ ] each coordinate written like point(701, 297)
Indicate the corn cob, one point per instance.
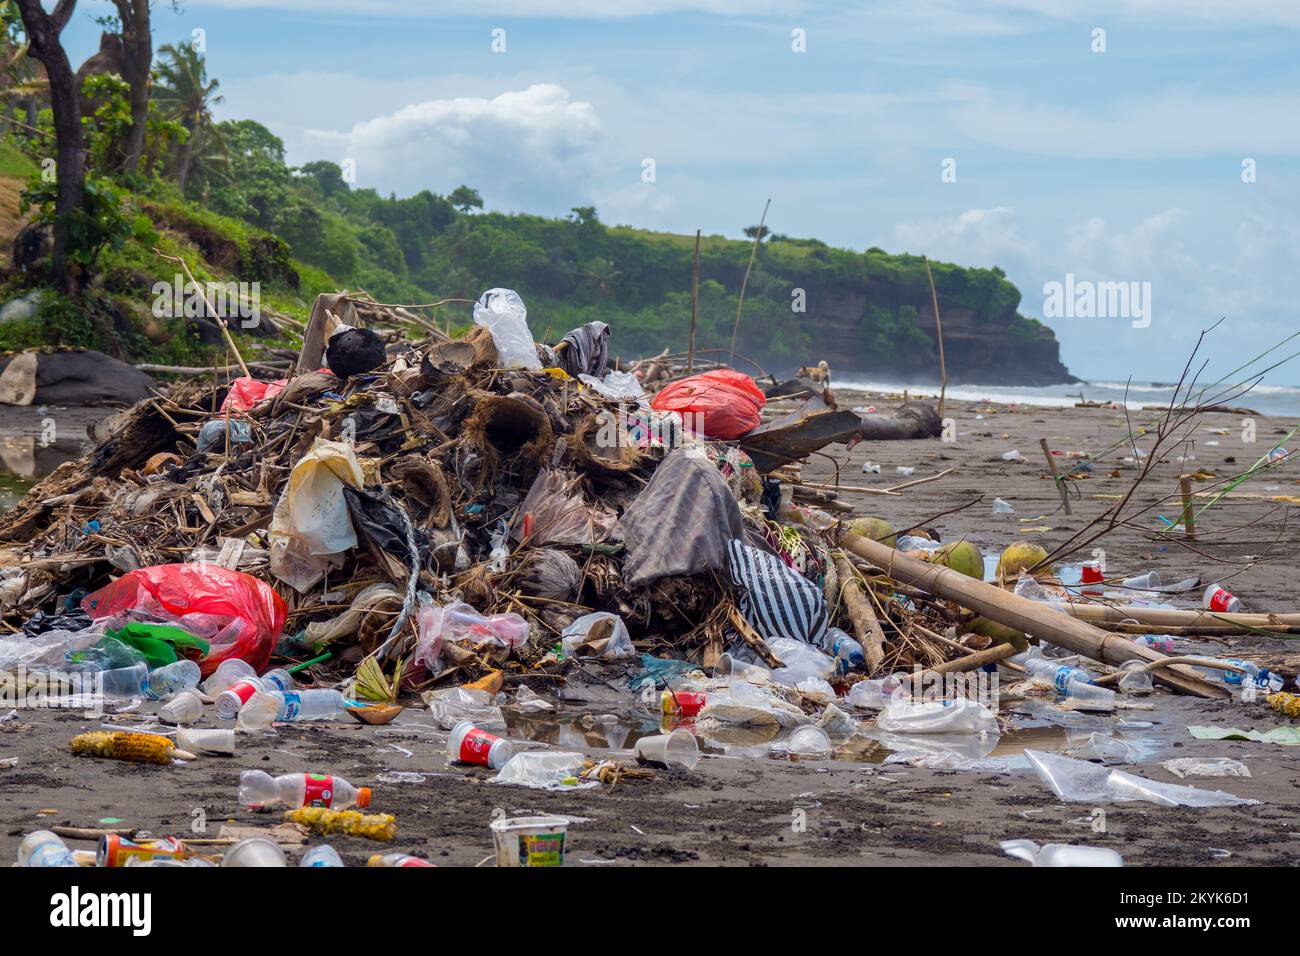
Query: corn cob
point(124, 745)
point(1283, 703)
point(374, 826)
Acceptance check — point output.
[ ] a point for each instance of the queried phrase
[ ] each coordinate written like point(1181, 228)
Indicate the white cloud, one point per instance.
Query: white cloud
point(575, 9)
point(977, 237)
point(527, 149)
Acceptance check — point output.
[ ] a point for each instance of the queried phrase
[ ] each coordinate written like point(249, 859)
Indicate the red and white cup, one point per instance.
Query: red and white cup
point(1092, 579)
point(469, 744)
point(234, 697)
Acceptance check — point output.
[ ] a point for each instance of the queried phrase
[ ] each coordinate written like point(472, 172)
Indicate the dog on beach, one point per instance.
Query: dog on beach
point(819, 373)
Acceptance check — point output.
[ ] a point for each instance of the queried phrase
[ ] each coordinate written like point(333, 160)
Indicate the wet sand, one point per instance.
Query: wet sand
point(745, 809)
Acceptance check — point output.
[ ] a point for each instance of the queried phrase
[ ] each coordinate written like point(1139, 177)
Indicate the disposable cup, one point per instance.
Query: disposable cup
point(729, 667)
point(255, 851)
point(530, 841)
point(808, 740)
point(185, 707)
point(206, 741)
point(677, 749)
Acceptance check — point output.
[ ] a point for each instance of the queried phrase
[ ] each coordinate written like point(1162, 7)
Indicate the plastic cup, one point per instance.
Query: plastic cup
point(469, 744)
point(227, 672)
point(255, 851)
point(729, 667)
point(678, 749)
point(808, 741)
point(530, 841)
point(123, 681)
point(206, 741)
point(184, 708)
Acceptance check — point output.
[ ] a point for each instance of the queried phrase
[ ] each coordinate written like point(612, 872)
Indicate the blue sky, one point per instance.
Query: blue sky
point(1123, 165)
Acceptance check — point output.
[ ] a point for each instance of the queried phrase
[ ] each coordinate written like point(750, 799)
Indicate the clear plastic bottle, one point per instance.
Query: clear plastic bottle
point(844, 648)
point(323, 855)
point(1157, 642)
point(1045, 673)
point(170, 678)
point(234, 697)
point(123, 681)
point(258, 789)
point(396, 859)
point(268, 706)
point(1218, 598)
point(278, 679)
point(41, 848)
point(1260, 677)
point(227, 672)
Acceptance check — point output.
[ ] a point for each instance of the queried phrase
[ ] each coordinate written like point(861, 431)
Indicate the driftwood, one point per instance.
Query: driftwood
point(866, 627)
point(1210, 622)
point(1024, 615)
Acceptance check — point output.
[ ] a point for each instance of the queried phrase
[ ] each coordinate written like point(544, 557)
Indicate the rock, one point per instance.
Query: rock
point(24, 307)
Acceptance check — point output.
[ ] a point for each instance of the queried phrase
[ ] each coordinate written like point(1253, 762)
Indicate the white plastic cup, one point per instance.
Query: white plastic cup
point(530, 841)
point(469, 744)
point(236, 696)
point(677, 749)
point(206, 741)
point(729, 667)
point(227, 672)
point(185, 707)
point(255, 851)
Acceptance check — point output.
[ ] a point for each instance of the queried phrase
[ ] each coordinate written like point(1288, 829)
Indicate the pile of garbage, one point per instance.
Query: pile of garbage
point(466, 518)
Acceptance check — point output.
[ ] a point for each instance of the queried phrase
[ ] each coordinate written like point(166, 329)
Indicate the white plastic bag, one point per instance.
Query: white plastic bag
point(602, 635)
point(502, 313)
point(801, 660)
point(620, 386)
point(311, 528)
point(545, 770)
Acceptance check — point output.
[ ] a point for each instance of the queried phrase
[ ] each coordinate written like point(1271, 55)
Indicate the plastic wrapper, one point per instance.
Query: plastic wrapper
point(428, 644)
point(250, 613)
point(725, 403)
point(1206, 767)
point(460, 622)
point(620, 386)
point(601, 635)
point(876, 694)
point(52, 649)
point(450, 705)
point(959, 716)
point(1078, 781)
point(554, 512)
point(311, 525)
point(545, 770)
point(503, 313)
point(246, 392)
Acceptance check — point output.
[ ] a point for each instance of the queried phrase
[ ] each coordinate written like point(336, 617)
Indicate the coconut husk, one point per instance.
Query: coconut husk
point(423, 481)
point(509, 432)
point(593, 456)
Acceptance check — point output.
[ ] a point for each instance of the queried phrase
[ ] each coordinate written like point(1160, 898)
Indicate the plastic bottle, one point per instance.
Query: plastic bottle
point(123, 681)
point(841, 646)
point(268, 706)
point(1045, 673)
point(1261, 677)
point(258, 789)
point(1157, 642)
point(468, 744)
point(396, 859)
point(323, 855)
point(1217, 598)
point(278, 679)
point(43, 848)
point(185, 708)
point(227, 672)
point(234, 697)
point(177, 676)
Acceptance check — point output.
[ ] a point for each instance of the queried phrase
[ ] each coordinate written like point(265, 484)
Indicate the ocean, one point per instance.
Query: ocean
point(1282, 400)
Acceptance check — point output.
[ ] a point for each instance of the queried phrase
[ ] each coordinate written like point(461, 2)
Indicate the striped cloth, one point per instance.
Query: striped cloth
point(588, 351)
point(775, 599)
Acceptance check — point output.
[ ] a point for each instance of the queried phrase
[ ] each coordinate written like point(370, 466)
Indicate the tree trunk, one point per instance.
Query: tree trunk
point(43, 31)
point(137, 42)
point(183, 161)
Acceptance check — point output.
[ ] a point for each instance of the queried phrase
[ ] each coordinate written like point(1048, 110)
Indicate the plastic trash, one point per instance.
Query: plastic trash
point(1061, 854)
point(221, 742)
point(676, 749)
point(1217, 598)
point(870, 468)
point(910, 542)
point(251, 613)
point(428, 644)
point(462, 622)
point(184, 708)
point(800, 661)
point(232, 700)
point(1157, 642)
point(959, 716)
point(877, 694)
point(278, 679)
point(172, 678)
point(1078, 781)
point(255, 851)
point(502, 313)
point(470, 744)
point(807, 741)
point(724, 403)
point(545, 770)
point(259, 790)
point(41, 848)
point(123, 682)
point(733, 669)
point(450, 705)
point(311, 528)
point(1013, 455)
point(529, 841)
point(601, 635)
point(1001, 507)
point(844, 648)
point(266, 707)
point(226, 674)
point(1136, 679)
point(397, 859)
point(1143, 582)
point(323, 855)
point(1206, 767)
point(1255, 675)
point(212, 436)
point(905, 472)
point(620, 386)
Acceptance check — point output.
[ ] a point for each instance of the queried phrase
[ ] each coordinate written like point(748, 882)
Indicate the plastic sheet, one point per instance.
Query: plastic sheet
point(246, 392)
point(311, 525)
point(255, 613)
point(601, 635)
point(545, 770)
point(725, 403)
point(1206, 767)
point(1077, 781)
point(959, 716)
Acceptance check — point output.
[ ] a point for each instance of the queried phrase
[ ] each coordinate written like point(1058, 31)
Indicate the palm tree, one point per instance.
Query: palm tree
point(185, 93)
point(599, 275)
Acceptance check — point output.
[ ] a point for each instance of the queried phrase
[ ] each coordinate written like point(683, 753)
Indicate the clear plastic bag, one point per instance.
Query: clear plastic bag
point(959, 716)
point(602, 635)
point(1078, 781)
point(545, 770)
point(461, 622)
point(503, 313)
point(620, 386)
point(802, 661)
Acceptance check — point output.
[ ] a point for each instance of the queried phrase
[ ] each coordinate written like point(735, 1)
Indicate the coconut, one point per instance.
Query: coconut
point(1020, 556)
point(999, 633)
point(961, 556)
point(877, 529)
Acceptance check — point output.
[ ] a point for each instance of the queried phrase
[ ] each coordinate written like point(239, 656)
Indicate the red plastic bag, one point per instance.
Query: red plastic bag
point(727, 402)
point(180, 589)
point(246, 392)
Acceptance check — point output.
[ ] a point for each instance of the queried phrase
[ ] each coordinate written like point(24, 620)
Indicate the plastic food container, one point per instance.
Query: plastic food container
point(530, 841)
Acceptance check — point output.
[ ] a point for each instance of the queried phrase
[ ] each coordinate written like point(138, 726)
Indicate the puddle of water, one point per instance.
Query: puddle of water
point(24, 460)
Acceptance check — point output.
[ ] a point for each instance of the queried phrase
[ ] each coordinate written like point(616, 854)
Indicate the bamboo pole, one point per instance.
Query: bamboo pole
point(1167, 617)
point(758, 237)
point(970, 662)
point(938, 326)
point(1056, 479)
point(1189, 516)
point(695, 302)
point(1031, 617)
point(866, 626)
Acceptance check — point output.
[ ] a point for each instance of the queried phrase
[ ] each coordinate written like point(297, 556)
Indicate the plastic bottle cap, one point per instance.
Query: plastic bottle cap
point(363, 796)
